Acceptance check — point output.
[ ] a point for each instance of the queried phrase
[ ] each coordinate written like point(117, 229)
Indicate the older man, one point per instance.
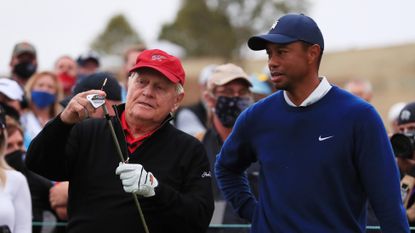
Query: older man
point(167, 168)
point(227, 95)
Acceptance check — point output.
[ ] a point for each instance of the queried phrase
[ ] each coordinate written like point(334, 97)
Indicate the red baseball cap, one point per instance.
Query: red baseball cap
point(169, 65)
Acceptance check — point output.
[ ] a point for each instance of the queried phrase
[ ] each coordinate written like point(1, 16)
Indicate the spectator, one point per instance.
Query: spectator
point(313, 139)
point(23, 62)
point(44, 93)
point(176, 188)
point(14, 191)
point(404, 148)
point(130, 56)
point(361, 88)
point(38, 185)
point(66, 69)
point(393, 116)
point(88, 63)
point(227, 95)
point(194, 118)
point(95, 82)
point(11, 96)
point(261, 86)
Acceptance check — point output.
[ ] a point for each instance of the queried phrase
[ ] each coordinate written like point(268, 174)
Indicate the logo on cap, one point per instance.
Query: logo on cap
point(158, 57)
point(405, 115)
point(274, 25)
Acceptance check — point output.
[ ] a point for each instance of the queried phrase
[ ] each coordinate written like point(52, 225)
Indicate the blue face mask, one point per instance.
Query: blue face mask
point(227, 109)
point(42, 99)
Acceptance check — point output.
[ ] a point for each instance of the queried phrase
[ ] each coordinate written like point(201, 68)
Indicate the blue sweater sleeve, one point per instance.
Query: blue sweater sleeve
point(235, 157)
point(379, 173)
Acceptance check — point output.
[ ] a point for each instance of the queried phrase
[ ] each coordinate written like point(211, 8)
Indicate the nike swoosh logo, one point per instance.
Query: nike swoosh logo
point(324, 138)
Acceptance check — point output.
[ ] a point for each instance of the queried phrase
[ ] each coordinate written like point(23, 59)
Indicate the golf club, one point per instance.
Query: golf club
point(99, 101)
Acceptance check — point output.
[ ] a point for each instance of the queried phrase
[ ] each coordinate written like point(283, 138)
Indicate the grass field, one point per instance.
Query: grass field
point(391, 71)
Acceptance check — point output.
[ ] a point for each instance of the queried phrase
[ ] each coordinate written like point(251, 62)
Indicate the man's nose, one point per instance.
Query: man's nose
point(148, 90)
point(273, 62)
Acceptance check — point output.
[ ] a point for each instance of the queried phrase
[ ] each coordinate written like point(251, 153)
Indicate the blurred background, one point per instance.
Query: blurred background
point(370, 40)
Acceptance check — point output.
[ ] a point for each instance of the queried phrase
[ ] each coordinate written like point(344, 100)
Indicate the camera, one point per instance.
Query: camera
point(403, 144)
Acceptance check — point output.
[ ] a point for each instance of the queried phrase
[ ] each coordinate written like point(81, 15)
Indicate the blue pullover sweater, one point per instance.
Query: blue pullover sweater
point(320, 165)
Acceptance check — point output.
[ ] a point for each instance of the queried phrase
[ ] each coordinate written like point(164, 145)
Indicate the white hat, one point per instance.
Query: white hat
point(226, 73)
point(394, 111)
point(11, 89)
point(206, 73)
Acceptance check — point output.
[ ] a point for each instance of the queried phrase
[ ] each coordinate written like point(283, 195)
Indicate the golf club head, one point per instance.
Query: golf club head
point(96, 100)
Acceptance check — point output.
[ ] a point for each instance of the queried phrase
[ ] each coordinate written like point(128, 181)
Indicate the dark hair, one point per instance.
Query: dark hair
point(2, 118)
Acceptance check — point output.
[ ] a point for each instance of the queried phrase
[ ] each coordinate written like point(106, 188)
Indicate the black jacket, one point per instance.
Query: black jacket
point(85, 155)
point(213, 144)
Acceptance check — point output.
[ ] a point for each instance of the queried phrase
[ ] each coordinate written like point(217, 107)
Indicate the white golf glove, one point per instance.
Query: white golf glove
point(136, 180)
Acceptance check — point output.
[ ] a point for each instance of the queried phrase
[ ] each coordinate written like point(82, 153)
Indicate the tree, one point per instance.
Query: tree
point(220, 27)
point(117, 36)
point(196, 29)
point(250, 17)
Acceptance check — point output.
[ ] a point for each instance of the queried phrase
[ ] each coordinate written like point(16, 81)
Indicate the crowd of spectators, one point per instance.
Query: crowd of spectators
point(30, 98)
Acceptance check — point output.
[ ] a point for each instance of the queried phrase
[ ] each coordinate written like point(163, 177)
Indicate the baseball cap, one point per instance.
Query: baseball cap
point(287, 29)
point(88, 56)
point(23, 47)
point(407, 114)
point(260, 84)
point(226, 73)
point(169, 65)
point(11, 89)
point(206, 73)
point(94, 82)
point(394, 111)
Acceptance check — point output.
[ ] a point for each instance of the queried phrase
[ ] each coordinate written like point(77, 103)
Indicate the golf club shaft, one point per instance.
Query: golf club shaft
point(117, 145)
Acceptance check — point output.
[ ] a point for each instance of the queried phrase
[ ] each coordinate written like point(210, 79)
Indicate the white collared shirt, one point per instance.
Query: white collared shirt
point(322, 89)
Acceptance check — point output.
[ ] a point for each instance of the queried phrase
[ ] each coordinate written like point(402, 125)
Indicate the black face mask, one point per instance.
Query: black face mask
point(15, 160)
point(227, 109)
point(24, 69)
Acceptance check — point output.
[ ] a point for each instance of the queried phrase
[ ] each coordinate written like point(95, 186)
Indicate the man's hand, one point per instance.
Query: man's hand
point(79, 107)
point(58, 194)
point(62, 212)
point(58, 198)
point(136, 180)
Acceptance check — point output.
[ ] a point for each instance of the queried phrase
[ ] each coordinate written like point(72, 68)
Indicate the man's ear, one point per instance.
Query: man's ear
point(179, 98)
point(313, 53)
point(209, 99)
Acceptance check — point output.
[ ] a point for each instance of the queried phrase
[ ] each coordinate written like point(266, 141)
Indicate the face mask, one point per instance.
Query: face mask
point(15, 160)
point(24, 70)
point(42, 99)
point(67, 81)
point(227, 109)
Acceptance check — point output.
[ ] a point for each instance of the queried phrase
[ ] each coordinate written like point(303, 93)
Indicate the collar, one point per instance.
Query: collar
point(315, 96)
point(132, 142)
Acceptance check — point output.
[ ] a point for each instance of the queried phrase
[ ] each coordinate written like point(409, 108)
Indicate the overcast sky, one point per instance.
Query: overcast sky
point(59, 27)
